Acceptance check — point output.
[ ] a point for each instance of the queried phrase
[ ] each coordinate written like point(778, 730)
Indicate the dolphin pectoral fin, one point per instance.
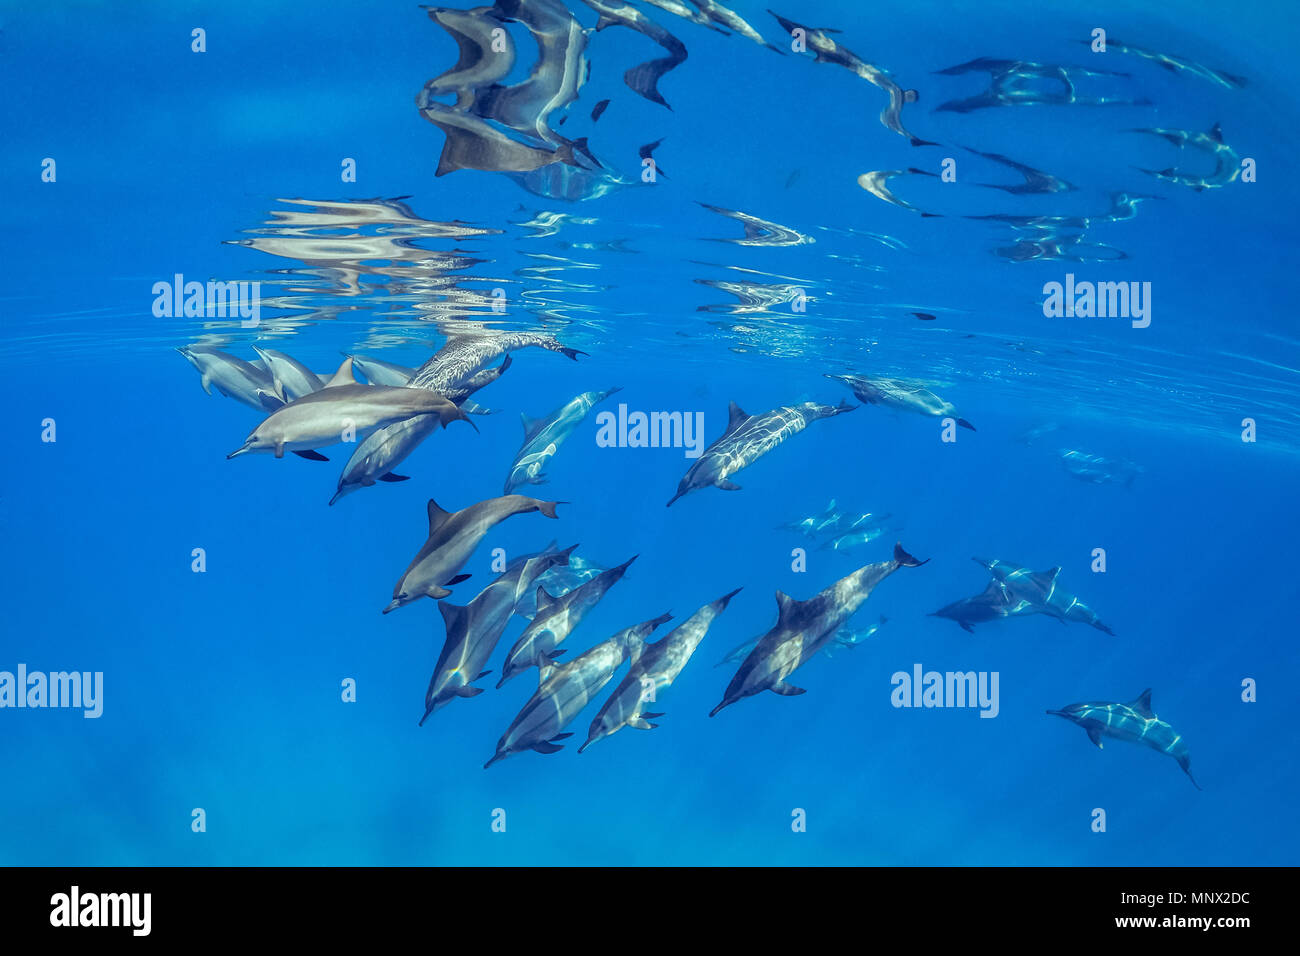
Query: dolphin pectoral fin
point(206, 383)
point(965, 626)
point(726, 485)
point(392, 477)
point(1095, 736)
point(564, 736)
point(640, 723)
point(311, 455)
point(437, 592)
point(787, 690)
point(469, 691)
point(965, 424)
point(279, 450)
point(648, 716)
point(548, 748)
point(457, 579)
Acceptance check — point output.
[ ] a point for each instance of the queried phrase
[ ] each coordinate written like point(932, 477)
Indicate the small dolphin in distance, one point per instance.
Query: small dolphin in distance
point(993, 603)
point(565, 690)
point(1043, 592)
point(543, 437)
point(453, 536)
point(901, 395)
point(1134, 722)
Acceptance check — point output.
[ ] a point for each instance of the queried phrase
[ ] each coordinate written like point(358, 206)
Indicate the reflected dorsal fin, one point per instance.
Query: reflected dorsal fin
point(436, 516)
point(343, 376)
point(1143, 702)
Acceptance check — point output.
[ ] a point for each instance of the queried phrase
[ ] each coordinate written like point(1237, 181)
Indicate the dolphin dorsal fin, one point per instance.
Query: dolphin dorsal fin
point(544, 600)
point(1047, 577)
point(1143, 702)
point(783, 604)
point(436, 516)
point(453, 616)
point(343, 376)
point(735, 415)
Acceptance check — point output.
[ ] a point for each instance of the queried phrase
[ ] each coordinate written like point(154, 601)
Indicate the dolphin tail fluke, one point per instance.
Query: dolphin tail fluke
point(572, 353)
point(904, 559)
point(965, 424)
point(548, 508)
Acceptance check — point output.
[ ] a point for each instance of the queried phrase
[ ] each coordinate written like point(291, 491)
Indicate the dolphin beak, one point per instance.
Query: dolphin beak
point(674, 498)
point(586, 745)
point(243, 449)
point(495, 757)
point(718, 708)
point(393, 605)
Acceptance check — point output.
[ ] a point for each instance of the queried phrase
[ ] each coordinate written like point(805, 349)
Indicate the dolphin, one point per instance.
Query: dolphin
point(233, 377)
point(1134, 721)
point(733, 21)
point(844, 637)
point(543, 437)
point(453, 536)
point(556, 618)
point(486, 53)
point(1041, 589)
point(993, 603)
point(643, 79)
point(900, 395)
point(803, 627)
point(462, 356)
point(827, 50)
point(292, 379)
point(812, 524)
point(474, 629)
point(381, 452)
point(319, 419)
point(877, 183)
point(1098, 470)
point(379, 372)
point(746, 439)
point(1175, 64)
point(1227, 162)
point(852, 539)
point(558, 582)
point(566, 689)
point(657, 668)
point(1035, 180)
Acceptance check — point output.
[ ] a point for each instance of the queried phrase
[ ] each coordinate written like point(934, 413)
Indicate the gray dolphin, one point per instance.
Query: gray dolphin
point(902, 395)
point(233, 377)
point(657, 668)
point(746, 439)
point(558, 582)
point(474, 629)
point(827, 50)
point(478, 64)
point(1098, 470)
point(462, 356)
point(556, 618)
point(566, 689)
point(1042, 590)
point(1134, 722)
point(379, 372)
point(803, 627)
point(733, 21)
point(317, 420)
point(292, 379)
point(543, 437)
point(453, 536)
point(844, 637)
point(993, 603)
point(381, 452)
point(877, 183)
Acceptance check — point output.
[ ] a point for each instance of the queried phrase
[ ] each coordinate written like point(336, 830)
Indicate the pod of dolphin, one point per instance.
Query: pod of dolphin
point(507, 128)
point(555, 590)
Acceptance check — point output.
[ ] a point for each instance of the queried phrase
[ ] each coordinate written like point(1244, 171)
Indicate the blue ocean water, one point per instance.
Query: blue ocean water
point(222, 689)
